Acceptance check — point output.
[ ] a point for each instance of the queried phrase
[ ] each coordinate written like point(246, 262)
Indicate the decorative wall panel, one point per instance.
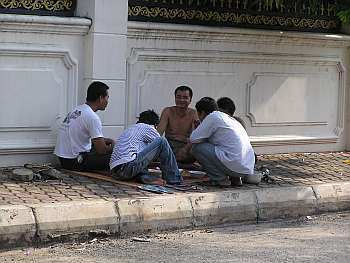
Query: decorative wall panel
point(286, 99)
point(33, 77)
point(39, 7)
point(294, 99)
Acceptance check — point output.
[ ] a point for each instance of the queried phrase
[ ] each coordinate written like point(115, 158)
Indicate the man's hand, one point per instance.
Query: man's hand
point(184, 153)
point(101, 147)
point(109, 141)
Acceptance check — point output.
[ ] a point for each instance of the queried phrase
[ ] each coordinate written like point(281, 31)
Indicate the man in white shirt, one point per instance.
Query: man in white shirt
point(221, 145)
point(80, 143)
point(227, 105)
point(138, 146)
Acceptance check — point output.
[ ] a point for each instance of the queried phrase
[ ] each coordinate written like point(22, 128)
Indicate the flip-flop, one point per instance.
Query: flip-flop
point(184, 188)
point(150, 179)
point(155, 189)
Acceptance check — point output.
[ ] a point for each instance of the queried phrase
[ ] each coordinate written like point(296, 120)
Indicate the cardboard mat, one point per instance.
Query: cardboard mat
point(160, 189)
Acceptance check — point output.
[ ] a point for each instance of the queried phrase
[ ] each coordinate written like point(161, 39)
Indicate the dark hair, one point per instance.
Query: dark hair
point(207, 105)
point(96, 90)
point(149, 117)
point(227, 105)
point(184, 88)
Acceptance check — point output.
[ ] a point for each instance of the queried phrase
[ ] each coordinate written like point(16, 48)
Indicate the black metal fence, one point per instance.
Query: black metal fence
point(307, 15)
point(39, 7)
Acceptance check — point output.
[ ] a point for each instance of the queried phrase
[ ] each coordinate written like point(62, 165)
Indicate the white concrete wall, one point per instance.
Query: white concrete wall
point(105, 54)
point(40, 72)
point(46, 65)
point(290, 88)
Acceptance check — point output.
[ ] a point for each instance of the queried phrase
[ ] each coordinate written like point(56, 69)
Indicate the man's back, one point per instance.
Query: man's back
point(232, 144)
point(75, 134)
point(132, 141)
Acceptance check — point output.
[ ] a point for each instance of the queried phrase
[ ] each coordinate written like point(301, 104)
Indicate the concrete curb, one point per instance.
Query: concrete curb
point(72, 218)
point(20, 225)
point(17, 225)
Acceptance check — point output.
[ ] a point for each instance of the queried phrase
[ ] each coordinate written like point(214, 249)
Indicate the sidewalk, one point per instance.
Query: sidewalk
point(305, 184)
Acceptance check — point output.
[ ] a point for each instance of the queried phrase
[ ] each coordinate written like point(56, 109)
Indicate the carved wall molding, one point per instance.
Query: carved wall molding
point(44, 25)
point(190, 33)
point(217, 56)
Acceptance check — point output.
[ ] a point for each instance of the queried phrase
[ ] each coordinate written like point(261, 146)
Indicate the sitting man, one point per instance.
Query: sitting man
point(178, 122)
point(138, 146)
point(80, 143)
point(221, 145)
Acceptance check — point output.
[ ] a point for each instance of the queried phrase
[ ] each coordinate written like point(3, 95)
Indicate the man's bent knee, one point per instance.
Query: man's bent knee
point(198, 148)
point(162, 141)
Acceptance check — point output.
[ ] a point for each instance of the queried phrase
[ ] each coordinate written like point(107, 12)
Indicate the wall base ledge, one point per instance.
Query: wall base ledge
point(282, 140)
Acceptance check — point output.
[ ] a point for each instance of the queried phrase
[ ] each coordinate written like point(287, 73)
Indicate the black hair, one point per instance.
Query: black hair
point(149, 117)
point(207, 105)
point(96, 90)
point(227, 105)
point(184, 88)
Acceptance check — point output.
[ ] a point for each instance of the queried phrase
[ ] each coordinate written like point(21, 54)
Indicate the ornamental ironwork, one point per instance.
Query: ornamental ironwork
point(315, 16)
point(39, 7)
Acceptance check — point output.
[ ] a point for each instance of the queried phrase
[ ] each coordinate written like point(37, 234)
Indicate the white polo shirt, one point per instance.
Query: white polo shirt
point(231, 141)
point(75, 134)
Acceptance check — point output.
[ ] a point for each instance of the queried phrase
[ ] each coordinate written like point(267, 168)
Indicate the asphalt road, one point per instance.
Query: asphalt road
point(312, 239)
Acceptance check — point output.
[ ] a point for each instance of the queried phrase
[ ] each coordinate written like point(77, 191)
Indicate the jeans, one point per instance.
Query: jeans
point(157, 149)
point(215, 169)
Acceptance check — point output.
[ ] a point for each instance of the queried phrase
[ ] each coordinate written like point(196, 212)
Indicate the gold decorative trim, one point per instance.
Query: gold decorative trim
point(46, 5)
point(223, 18)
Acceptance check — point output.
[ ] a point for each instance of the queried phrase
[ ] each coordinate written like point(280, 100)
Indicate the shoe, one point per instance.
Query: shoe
point(252, 179)
point(236, 181)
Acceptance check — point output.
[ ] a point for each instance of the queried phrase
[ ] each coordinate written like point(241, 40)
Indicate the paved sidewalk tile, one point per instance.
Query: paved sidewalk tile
point(287, 170)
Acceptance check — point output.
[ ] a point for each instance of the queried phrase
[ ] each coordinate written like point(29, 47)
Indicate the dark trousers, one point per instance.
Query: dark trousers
point(87, 162)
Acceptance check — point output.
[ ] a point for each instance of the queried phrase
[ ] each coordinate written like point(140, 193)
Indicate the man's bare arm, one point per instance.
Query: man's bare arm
point(163, 123)
point(109, 141)
point(101, 147)
point(196, 121)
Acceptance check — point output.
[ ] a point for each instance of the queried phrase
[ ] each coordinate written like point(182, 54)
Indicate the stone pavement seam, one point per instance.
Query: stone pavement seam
point(257, 207)
point(117, 211)
point(192, 209)
point(36, 235)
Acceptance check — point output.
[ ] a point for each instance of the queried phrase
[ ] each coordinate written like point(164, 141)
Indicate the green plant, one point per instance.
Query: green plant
point(344, 16)
point(344, 11)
